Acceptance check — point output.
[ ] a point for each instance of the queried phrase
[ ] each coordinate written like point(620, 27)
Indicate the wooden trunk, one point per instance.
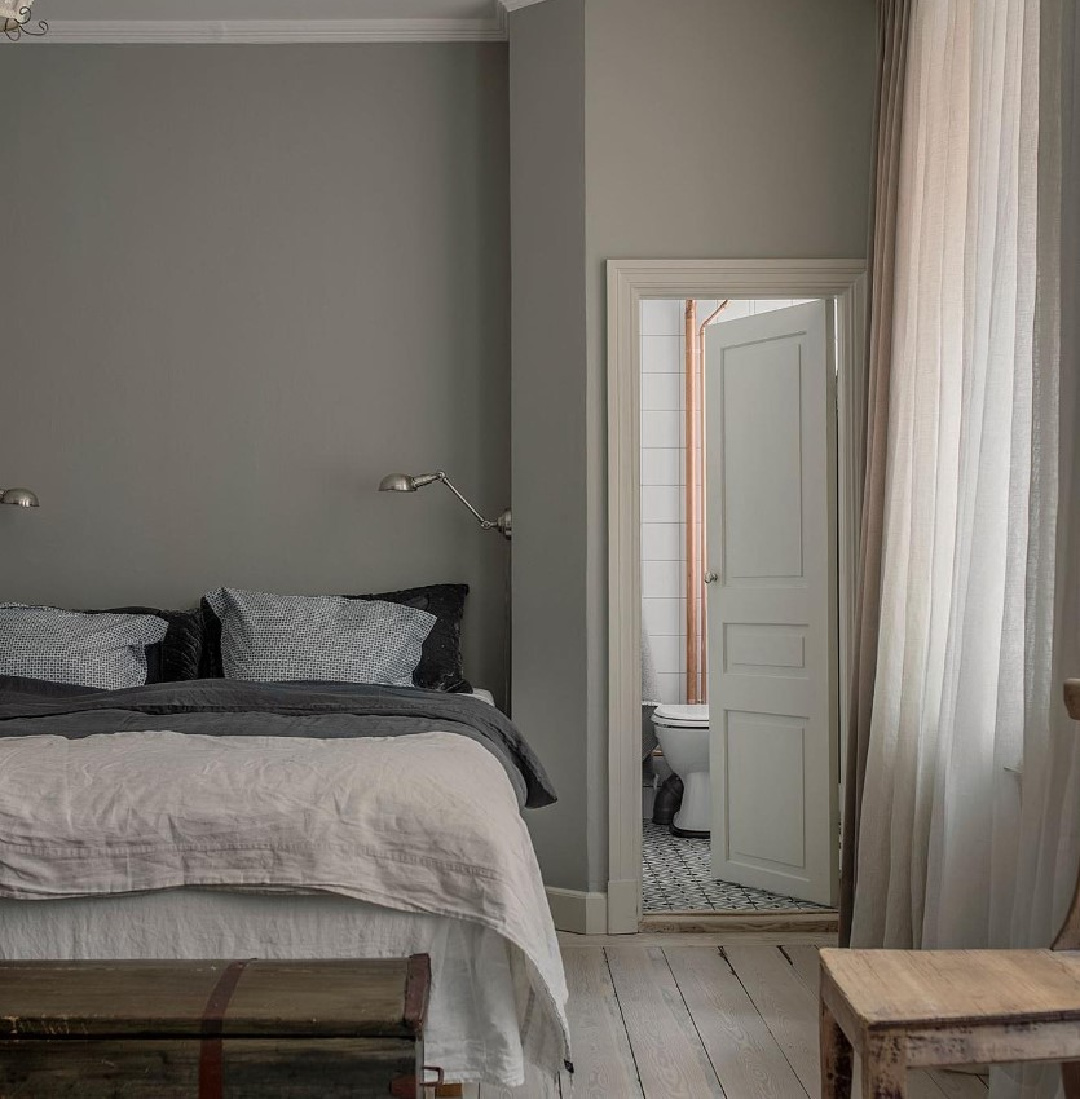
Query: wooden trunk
point(212, 1030)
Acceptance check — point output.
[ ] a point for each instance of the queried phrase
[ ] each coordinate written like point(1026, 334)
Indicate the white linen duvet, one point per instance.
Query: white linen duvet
point(424, 830)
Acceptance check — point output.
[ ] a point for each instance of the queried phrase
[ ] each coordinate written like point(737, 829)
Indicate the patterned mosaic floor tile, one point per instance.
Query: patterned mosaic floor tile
point(678, 878)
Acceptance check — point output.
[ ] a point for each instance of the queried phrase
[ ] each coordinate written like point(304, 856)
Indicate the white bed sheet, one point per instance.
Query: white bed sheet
point(473, 1028)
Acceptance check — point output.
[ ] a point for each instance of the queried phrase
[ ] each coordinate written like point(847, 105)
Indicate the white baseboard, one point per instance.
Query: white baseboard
point(578, 911)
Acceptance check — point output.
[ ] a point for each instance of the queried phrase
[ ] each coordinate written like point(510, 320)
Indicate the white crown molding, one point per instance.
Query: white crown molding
point(270, 31)
point(514, 5)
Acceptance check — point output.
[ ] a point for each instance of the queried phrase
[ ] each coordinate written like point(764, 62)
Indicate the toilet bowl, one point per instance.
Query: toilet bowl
point(683, 732)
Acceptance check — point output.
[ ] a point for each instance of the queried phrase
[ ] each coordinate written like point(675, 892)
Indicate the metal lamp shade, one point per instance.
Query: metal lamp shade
point(19, 497)
point(397, 482)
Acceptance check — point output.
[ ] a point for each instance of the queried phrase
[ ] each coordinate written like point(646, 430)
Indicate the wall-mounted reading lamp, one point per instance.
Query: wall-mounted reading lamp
point(405, 482)
point(20, 497)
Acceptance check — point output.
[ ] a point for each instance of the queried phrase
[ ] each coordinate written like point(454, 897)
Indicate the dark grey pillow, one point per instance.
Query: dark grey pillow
point(441, 667)
point(272, 637)
point(91, 650)
point(178, 655)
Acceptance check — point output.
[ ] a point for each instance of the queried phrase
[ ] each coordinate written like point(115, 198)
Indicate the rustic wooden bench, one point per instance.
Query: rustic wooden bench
point(904, 1009)
point(213, 1030)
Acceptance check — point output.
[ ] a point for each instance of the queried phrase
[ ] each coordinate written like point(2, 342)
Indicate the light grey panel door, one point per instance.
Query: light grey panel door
point(771, 559)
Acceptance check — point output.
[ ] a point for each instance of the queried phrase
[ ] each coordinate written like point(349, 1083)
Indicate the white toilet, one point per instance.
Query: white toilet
point(683, 732)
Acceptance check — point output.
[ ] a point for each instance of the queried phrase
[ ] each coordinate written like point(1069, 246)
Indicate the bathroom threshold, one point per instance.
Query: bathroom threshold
point(817, 920)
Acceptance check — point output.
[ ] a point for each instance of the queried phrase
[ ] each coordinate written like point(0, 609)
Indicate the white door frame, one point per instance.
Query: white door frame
point(628, 282)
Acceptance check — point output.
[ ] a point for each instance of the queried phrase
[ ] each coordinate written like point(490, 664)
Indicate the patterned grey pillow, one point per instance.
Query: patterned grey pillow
point(276, 637)
point(90, 650)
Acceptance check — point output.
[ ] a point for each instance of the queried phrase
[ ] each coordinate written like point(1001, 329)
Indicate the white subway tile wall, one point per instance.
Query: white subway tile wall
point(661, 542)
point(669, 654)
point(663, 473)
point(663, 505)
point(664, 579)
point(662, 317)
point(662, 392)
point(664, 617)
point(663, 466)
point(660, 428)
point(661, 354)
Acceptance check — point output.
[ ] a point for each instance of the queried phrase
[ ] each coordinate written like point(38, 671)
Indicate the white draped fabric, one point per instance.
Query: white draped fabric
point(1049, 838)
point(969, 831)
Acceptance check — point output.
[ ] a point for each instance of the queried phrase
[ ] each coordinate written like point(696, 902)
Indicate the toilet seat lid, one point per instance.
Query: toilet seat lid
point(683, 717)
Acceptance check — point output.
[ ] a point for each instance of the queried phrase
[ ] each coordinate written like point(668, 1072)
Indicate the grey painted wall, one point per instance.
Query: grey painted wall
point(547, 183)
point(243, 284)
point(713, 128)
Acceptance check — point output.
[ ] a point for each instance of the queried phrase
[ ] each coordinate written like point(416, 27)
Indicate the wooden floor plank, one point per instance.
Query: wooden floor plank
point(671, 1061)
point(789, 1008)
point(743, 1052)
point(807, 963)
point(537, 1086)
point(698, 1023)
point(960, 1085)
point(699, 938)
point(603, 1062)
point(816, 921)
point(920, 1083)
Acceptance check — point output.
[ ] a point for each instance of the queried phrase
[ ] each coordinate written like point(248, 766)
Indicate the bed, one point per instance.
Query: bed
point(222, 818)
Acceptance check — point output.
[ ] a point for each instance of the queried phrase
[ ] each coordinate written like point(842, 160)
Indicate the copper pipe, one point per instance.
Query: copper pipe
point(693, 544)
point(696, 530)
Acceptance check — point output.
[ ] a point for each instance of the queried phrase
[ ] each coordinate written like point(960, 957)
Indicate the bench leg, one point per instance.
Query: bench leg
point(884, 1068)
point(836, 1058)
point(1070, 1077)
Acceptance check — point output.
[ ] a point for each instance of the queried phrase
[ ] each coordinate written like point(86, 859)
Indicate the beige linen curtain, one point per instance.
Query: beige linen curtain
point(894, 22)
point(969, 810)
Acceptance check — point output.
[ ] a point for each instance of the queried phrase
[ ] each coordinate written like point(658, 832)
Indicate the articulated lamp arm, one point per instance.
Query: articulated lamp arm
point(404, 482)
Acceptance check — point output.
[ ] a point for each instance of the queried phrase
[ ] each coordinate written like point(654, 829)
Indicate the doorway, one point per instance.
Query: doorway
point(738, 604)
point(777, 754)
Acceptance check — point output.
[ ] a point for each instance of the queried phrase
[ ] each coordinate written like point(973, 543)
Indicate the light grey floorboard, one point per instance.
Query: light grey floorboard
point(920, 1084)
point(806, 961)
point(743, 1052)
point(603, 1062)
point(536, 1086)
point(671, 1060)
point(788, 1007)
point(694, 1016)
point(960, 1084)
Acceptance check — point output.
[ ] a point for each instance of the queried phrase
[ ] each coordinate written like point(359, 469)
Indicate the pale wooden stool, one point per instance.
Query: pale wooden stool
point(904, 1009)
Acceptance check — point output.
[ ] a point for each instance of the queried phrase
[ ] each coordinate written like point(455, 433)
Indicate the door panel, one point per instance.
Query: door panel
point(761, 460)
point(767, 751)
point(771, 524)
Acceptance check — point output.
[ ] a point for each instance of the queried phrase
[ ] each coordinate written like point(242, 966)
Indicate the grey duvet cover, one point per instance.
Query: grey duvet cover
point(236, 708)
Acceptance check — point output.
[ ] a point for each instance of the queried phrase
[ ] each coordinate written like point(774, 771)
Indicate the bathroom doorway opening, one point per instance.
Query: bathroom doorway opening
point(743, 517)
point(729, 471)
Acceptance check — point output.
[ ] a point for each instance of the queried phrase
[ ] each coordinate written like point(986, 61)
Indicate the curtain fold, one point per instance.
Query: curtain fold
point(1049, 829)
point(970, 461)
point(894, 21)
point(1050, 818)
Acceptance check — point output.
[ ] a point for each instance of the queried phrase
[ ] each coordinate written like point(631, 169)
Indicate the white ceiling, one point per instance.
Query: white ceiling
point(275, 20)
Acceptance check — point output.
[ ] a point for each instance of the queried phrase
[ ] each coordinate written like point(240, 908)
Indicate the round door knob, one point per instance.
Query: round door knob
point(711, 577)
